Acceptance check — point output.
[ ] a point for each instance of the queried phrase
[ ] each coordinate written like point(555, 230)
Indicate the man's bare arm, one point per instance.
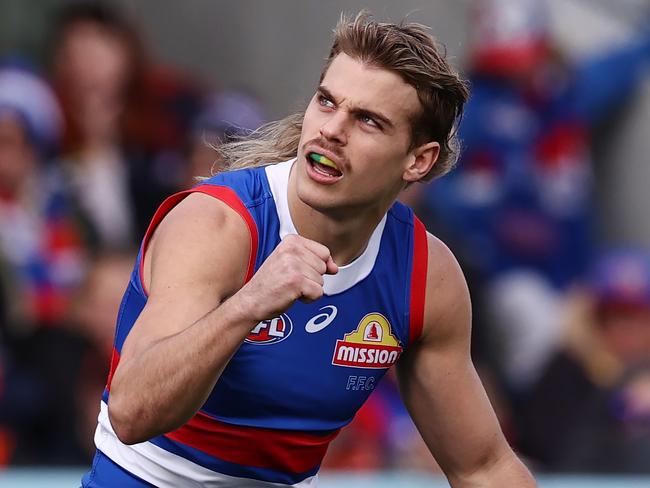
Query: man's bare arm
point(197, 314)
point(443, 392)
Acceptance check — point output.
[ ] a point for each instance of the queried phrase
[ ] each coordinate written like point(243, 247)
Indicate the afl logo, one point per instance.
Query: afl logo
point(271, 331)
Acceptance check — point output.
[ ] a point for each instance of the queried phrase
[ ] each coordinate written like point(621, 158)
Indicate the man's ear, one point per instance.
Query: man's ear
point(422, 160)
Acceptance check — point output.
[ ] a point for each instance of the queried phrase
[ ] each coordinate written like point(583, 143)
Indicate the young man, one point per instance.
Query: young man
point(268, 302)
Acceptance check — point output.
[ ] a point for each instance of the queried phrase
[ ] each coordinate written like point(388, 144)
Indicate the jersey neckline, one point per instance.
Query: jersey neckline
point(348, 275)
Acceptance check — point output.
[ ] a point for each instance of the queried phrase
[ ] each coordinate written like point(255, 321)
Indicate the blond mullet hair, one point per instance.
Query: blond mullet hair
point(406, 49)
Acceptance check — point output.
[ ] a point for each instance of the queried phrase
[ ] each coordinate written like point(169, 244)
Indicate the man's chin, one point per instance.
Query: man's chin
point(317, 198)
point(311, 198)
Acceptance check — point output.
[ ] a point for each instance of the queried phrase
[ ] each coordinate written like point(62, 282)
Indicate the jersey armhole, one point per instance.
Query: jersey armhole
point(223, 193)
point(418, 280)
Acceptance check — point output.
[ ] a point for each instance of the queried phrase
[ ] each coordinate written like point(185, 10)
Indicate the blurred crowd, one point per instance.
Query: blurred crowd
point(91, 144)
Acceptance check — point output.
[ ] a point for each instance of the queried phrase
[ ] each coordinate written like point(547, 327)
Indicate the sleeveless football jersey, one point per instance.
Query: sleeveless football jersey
point(298, 378)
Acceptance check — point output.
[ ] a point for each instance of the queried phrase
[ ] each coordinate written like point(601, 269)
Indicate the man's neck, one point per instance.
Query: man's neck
point(345, 234)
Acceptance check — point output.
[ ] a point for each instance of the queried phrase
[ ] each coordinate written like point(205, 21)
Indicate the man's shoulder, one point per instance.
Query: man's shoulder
point(441, 255)
point(447, 294)
point(249, 184)
point(443, 268)
point(200, 212)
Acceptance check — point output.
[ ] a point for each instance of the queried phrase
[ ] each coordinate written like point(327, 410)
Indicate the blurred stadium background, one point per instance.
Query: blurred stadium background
point(106, 110)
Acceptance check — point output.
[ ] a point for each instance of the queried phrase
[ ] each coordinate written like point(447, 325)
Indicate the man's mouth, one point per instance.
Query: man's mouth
point(324, 165)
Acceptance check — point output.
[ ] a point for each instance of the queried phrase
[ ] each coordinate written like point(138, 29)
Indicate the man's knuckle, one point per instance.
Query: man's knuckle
point(284, 248)
point(295, 280)
point(291, 240)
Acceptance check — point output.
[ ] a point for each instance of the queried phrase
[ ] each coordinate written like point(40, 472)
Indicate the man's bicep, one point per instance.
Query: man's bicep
point(197, 257)
point(438, 381)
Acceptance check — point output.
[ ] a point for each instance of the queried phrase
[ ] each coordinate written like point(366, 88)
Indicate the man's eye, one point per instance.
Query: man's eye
point(367, 119)
point(325, 102)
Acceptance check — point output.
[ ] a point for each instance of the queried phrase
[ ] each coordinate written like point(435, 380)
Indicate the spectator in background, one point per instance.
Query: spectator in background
point(42, 249)
point(40, 238)
point(224, 116)
point(591, 411)
point(519, 208)
point(127, 121)
point(48, 404)
point(97, 56)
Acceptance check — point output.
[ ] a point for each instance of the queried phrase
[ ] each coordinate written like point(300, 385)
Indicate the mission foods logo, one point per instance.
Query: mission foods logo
point(270, 331)
point(371, 345)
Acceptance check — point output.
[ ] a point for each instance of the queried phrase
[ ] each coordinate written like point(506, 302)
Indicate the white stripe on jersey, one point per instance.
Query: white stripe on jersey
point(167, 470)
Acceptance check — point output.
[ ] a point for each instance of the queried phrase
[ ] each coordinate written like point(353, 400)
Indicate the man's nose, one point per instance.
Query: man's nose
point(334, 129)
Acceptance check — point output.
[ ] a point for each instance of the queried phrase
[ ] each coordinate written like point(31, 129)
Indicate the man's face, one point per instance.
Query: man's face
point(359, 119)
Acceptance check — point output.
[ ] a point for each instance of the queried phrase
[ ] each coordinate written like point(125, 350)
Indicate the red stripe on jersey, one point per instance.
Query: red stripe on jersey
point(223, 193)
point(418, 279)
point(115, 358)
point(230, 198)
point(283, 450)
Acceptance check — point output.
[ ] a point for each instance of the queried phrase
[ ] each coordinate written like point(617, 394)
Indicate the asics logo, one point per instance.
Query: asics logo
point(322, 320)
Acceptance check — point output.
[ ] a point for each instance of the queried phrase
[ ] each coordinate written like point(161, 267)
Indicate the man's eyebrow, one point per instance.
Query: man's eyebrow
point(358, 110)
point(324, 91)
point(374, 115)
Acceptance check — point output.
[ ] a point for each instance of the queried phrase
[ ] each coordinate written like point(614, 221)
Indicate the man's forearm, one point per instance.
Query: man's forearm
point(164, 385)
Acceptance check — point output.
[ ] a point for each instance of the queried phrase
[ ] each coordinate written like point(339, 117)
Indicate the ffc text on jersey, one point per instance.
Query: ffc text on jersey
point(271, 331)
point(371, 345)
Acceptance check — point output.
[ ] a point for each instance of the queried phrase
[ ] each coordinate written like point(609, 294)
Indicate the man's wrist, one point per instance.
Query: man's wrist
point(241, 310)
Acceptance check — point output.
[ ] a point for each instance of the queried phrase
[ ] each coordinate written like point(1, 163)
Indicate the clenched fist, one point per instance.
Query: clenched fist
point(293, 271)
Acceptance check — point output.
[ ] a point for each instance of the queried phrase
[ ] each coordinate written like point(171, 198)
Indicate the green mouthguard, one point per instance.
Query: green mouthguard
point(323, 160)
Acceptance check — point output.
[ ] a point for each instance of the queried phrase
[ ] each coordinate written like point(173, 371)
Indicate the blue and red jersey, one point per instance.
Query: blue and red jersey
point(298, 378)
